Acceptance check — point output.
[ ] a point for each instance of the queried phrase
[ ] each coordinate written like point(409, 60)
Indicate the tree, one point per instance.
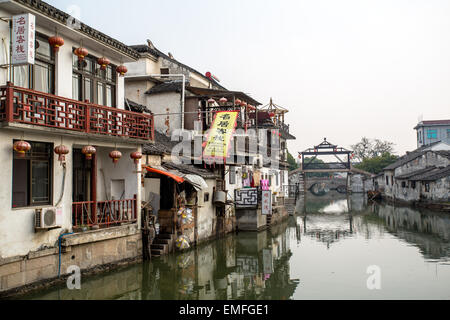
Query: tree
point(366, 148)
point(293, 165)
point(376, 164)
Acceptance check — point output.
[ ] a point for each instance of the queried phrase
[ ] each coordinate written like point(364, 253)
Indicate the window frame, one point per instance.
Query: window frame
point(432, 133)
point(97, 77)
point(31, 69)
point(30, 158)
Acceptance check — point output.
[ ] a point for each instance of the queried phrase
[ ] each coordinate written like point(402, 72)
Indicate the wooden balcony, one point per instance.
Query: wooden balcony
point(25, 108)
point(104, 214)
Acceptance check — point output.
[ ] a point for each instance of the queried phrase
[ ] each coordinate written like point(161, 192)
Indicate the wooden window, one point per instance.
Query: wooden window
point(41, 75)
point(32, 176)
point(93, 84)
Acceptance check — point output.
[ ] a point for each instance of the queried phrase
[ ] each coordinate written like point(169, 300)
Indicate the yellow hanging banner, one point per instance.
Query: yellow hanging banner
point(220, 134)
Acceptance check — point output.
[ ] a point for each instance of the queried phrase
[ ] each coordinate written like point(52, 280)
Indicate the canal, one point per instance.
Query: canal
point(325, 252)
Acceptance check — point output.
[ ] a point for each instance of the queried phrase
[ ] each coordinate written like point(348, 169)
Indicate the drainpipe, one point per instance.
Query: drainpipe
point(183, 91)
point(59, 241)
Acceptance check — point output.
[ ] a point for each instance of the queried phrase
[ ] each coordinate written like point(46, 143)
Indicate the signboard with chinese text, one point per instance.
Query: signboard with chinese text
point(219, 137)
point(23, 39)
point(266, 198)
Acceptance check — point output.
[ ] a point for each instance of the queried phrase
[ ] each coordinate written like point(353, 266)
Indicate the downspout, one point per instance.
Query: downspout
point(59, 241)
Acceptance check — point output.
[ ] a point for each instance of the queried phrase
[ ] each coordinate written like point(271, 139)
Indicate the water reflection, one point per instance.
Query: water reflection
point(321, 253)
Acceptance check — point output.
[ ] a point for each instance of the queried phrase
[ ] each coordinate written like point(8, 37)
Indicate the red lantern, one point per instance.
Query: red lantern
point(211, 101)
point(223, 100)
point(61, 151)
point(121, 70)
point(81, 53)
point(56, 42)
point(271, 114)
point(103, 62)
point(243, 104)
point(237, 102)
point(115, 156)
point(136, 156)
point(21, 147)
point(88, 151)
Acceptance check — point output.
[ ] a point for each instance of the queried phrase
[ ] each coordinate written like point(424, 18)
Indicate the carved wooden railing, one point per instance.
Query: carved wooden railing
point(19, 105)
point(104, 213)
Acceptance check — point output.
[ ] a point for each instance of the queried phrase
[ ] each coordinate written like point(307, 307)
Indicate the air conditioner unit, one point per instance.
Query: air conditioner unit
point(46, 219)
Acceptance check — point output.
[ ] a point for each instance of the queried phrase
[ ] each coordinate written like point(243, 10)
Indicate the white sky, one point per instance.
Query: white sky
point(344, 68)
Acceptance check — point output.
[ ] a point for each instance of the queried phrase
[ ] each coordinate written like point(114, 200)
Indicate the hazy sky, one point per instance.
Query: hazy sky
point(344, 68)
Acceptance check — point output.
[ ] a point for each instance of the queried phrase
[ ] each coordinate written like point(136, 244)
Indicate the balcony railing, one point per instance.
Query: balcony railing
point(19, 105)
point(103, 213)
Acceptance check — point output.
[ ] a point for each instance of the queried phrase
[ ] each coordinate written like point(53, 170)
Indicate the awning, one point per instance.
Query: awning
point(195, 180)
point(175, 177)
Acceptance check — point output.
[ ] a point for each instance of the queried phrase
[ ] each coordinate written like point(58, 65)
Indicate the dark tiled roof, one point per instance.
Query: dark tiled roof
point(433, 175)
point(405, 159)
point(163, 145)
point(223, 93)
point(135, 107)
point(146, 49)
point(443, 153)
point(415, 173)
point(190, 169)
point(172, 86)
point(62, 17)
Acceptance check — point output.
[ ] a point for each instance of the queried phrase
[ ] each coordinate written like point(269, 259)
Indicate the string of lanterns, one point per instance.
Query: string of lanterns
point(22, 147)
point(81, 52)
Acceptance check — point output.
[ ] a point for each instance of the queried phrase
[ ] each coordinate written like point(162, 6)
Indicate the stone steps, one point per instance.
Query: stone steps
point(162, 245)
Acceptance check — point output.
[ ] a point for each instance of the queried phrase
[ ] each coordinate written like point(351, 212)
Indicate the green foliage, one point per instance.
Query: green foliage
point(292, 163)
point(377, 164)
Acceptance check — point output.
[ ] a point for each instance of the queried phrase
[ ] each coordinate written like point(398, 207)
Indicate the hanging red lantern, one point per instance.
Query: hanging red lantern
point(56, 42)
point(61, 151)
point(243, 104)
point(81, 53)
point(237, 102)
point(21, 147)
point(136, 156)
point(271, 114)
point(122, 70)
point(211, 101)
point(223, 100)
point(103, 62)
point(88, 151)
point(115, 156)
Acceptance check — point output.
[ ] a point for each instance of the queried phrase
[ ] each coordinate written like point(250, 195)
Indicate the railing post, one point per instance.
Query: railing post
point(9, 111)
point(87, 116)
point(134, 207)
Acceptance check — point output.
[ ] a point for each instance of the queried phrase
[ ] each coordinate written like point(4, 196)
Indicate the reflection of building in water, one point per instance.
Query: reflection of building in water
point(428, 230)
point(247, 266)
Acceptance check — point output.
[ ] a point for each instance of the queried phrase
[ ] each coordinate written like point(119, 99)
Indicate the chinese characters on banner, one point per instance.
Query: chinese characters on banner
point(23, 39)
point(266, 203)
point(219, 138)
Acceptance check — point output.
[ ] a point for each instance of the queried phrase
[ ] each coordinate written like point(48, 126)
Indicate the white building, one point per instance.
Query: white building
point(62, 99)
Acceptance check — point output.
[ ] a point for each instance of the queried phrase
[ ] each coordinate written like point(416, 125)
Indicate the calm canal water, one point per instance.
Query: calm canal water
point(322, 253)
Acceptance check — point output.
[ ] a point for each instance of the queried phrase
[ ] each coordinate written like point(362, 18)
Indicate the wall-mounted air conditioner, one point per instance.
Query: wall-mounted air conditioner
point(48, 218)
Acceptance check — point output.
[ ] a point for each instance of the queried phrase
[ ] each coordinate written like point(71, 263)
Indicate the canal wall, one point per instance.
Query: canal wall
point(92, 251)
